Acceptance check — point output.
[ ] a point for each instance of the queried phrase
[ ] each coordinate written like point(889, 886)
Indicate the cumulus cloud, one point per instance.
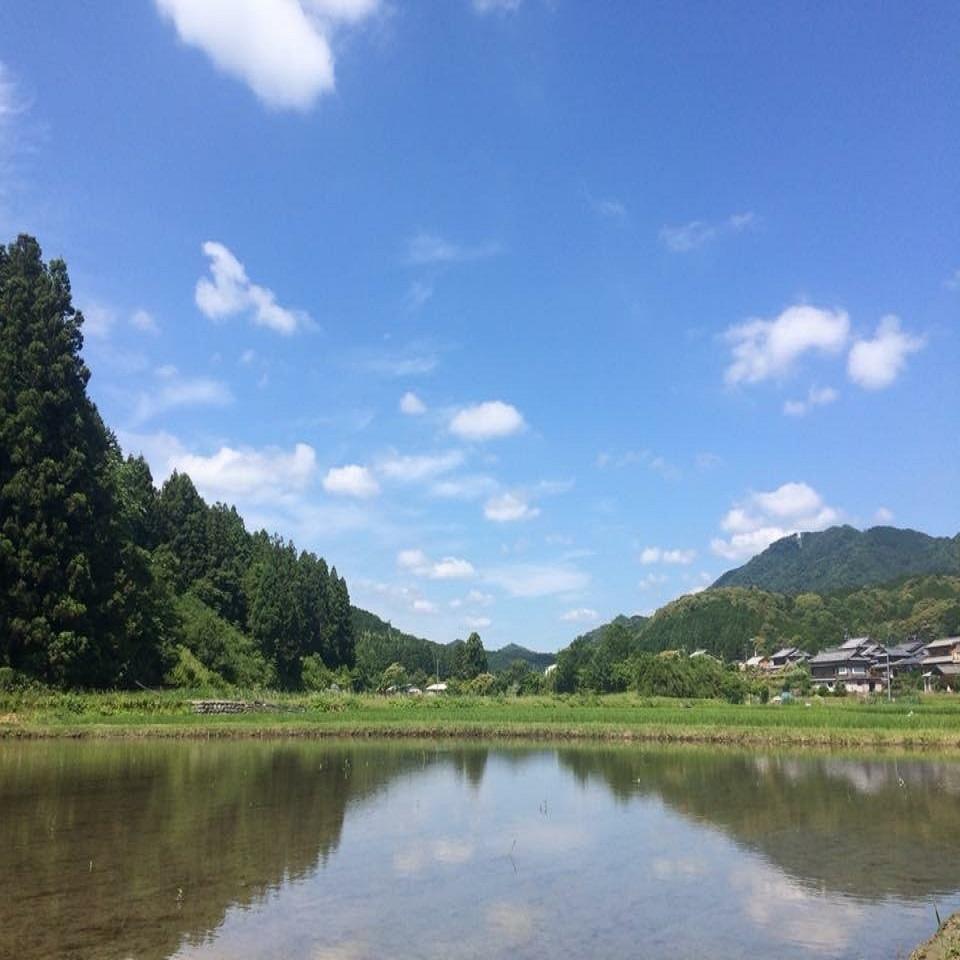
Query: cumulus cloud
point(351, 480)
point(697, 233)
point(424, 606)
point(413, 360)
point(875, 364)
point(412, 405)
point(652, 555)
point(280, 48)
point(538, 580)
point(509, 507)
point(420, 467)
point(487, 421)
point(768, 349)
point(884, 515)
point(418, 563)
point(816, 397)
point(250, 474)
point(756, 522)
point(228, 291)
point(953, 282)
point(580, 615)
point(430, 248)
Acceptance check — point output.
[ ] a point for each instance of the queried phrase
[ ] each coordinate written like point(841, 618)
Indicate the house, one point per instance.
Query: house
point(757, 662)
point(436, 688)
point(905, 657)
point(941, 665)
point(788, 657)
point(852, 665)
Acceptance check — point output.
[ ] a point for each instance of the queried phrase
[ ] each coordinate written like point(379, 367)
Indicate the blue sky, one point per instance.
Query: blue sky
point(522, 313)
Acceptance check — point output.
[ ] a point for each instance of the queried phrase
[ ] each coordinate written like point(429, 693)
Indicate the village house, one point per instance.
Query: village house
point(941, 665)
point(906, 657)
point(788, 657)
point(853, 664)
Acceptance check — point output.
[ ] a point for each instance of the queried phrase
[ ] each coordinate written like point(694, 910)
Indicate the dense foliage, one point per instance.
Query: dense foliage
point(843, 558)
point(106, 581)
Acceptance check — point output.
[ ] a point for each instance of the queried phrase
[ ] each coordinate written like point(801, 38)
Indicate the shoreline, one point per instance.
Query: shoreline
point(932, 723)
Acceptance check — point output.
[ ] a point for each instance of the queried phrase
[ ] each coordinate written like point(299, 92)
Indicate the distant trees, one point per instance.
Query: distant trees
point(106, 581)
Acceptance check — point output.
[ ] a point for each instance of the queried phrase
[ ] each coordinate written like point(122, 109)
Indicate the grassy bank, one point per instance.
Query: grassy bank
point(943, 945)
point(925, 722)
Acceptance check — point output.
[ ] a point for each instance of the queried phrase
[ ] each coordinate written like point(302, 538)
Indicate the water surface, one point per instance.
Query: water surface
point(312, 850)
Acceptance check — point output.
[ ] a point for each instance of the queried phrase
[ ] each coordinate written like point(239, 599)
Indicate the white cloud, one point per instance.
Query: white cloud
point(98, 320)
point(953, 283)
point(422, 467)
point(538, 580)
point(415, 359)
point(652, 580)
point(412, 405)
point(10, 104)
point(651, 555)
point(488, 420)
point(884, 515)
point(452, 568)
point(175, 392)
point(250, 474)
point(471, 487)
point(351, 480)
point(228, 292)
point(875, 364)
point(279, 48)
point(509, 507)
point(697, 233)
point(580, 615)
point(816, 397)
point(424, 606)
point(496, 6)
point(448, 568)
point(765, 349)
point(753, 524)
point(144, 321)
point(477, 623)
point(430, 248)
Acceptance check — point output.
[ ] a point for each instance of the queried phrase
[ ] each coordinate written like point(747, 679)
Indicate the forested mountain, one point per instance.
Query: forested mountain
point(105, 580)
point(843, 558)
point(379, 644)
point(732, 622)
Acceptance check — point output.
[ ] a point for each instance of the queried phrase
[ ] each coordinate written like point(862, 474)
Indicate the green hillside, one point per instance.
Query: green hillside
point(843, 558)
point(730, 621)
point(379, 644)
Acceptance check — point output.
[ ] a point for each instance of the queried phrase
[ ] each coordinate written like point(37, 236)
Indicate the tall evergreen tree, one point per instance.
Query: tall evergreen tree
point(59, 537)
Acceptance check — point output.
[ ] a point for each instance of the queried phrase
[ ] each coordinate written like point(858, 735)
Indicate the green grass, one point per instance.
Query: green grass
point(930, 721)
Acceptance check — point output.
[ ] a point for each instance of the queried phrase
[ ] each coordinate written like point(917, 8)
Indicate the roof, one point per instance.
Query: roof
point(946, 642)
point(854, 642)
point(755, 660)
point(948, 669)
point(784, 653)
point(837, 655)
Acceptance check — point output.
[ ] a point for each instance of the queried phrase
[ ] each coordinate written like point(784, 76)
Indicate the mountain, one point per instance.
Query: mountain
point(730, 621)
point(498, 660)
point(843, 558)
point(633, 624)
point(380, 643)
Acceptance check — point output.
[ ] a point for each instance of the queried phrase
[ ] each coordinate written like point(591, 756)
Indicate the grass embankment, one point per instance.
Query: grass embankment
point(930, 721)
point(943, 945)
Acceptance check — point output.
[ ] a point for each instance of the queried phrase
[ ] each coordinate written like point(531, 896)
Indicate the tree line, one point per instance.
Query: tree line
point(106, 581)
